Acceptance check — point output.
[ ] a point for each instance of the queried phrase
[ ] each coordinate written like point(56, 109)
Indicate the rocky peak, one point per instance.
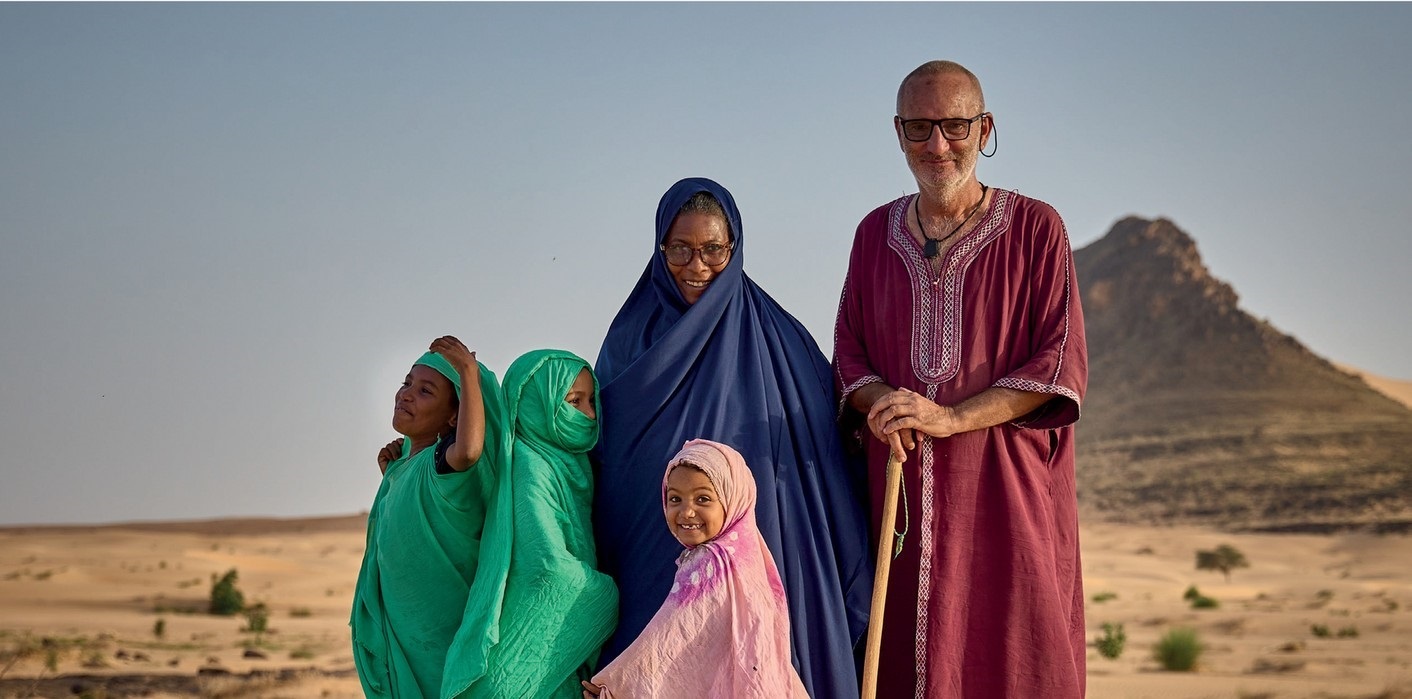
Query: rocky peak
point(1197, 411)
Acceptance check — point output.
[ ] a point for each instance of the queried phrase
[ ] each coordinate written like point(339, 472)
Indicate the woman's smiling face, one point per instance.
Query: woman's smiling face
point(697, 230)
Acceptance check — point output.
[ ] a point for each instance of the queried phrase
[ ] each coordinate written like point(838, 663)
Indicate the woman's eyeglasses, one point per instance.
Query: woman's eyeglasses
point(711, 255)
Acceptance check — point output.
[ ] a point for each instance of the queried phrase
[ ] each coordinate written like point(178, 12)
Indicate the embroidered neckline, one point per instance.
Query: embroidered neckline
point(937, 293)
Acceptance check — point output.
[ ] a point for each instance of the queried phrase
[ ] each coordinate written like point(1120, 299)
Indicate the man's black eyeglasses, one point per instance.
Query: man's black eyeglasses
point(918, 130)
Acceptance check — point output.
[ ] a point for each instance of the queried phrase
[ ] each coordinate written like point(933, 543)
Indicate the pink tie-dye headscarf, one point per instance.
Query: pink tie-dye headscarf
point(724, 629)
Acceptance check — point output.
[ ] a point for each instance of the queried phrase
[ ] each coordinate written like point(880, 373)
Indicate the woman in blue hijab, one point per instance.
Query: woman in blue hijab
point(698, 350)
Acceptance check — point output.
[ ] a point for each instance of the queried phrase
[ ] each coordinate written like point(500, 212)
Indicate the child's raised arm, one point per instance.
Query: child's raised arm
point(470, 420)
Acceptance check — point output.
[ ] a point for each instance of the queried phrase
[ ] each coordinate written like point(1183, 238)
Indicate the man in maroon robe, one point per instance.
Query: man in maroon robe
point(960, 340)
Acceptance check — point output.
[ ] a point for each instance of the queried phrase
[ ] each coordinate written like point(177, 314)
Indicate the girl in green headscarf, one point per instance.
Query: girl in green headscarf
point(558, 608)
point(428, 588)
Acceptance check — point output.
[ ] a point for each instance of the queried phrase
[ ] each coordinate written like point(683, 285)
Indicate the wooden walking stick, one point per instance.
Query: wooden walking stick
point(885, 554)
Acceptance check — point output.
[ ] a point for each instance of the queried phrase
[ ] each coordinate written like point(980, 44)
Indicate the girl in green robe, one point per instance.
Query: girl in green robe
point(413, 610)
point(558, 608)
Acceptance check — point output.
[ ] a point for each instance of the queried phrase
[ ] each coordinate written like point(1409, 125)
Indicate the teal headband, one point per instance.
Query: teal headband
point(443, 367)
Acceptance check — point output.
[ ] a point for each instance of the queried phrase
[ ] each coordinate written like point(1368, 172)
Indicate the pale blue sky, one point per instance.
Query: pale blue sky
point(227, 230)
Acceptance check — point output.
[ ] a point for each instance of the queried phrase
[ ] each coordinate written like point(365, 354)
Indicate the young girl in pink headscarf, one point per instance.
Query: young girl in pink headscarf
point(724, 629)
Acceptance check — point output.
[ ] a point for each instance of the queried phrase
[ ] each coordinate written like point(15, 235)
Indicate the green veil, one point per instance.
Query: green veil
point(557, 607)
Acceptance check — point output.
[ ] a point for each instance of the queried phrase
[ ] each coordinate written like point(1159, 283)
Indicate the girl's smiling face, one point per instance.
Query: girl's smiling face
point(425, 406)
point(695, 514)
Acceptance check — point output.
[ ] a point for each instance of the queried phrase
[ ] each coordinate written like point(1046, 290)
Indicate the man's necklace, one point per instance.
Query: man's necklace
point(933, 246)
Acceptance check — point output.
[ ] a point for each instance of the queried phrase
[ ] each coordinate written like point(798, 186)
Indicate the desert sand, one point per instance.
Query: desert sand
point(97, 593)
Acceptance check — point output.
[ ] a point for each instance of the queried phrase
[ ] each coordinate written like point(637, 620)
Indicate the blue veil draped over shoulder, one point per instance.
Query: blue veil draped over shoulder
point(736, 368)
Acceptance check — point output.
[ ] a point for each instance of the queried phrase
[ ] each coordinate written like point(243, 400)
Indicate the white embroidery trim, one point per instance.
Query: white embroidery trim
point(936, 356)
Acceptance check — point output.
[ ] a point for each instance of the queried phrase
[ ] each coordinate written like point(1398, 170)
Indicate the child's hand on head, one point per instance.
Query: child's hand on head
point(390, 453)
point(458, 355)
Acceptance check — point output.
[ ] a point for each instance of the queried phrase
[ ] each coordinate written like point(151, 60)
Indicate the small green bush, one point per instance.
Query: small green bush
point(159, 628)
point(1204, 602)
point(1102, 597)
point(226, 598)
point(1320, 630)
point(301, 612)
point(1191, 593)
point(1178, 650)
point(257, 620)
point(1110, 645)
point(1348, 632)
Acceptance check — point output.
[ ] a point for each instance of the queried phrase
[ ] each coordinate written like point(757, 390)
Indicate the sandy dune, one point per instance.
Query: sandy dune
point(97, 593)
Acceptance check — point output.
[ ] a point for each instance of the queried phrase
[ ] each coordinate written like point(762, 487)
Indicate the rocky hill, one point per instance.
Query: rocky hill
point(1197, 412)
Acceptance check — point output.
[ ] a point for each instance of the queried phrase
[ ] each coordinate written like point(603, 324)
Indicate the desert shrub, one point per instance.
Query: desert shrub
point(1224, 558)
point(1191, 593)
point(257, 620)
point(1178, 650)
point(226, 598)
point(1110, 645)
point(302, 653)
point(301, 612)
point(1348, 632)
point(1320, 631)
point(1204, 602)
point(1102, 597)
point(159, 628)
